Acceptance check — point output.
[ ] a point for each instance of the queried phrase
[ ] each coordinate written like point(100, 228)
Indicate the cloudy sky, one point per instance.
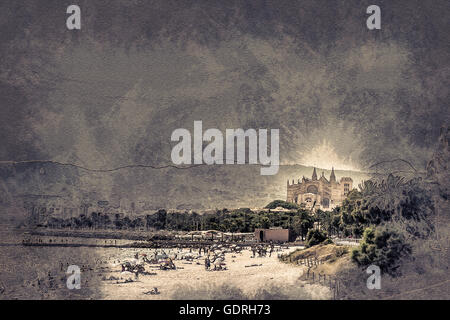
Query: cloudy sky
point(111, 93)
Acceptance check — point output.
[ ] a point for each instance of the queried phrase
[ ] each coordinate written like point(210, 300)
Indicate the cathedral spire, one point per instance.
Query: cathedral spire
point(314, 175)
point(332, 176)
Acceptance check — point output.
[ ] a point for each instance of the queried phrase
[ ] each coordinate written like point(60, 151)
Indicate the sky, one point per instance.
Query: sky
point(112, 93)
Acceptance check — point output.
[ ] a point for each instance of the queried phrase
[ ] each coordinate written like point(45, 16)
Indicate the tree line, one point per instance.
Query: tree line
point(298, 220)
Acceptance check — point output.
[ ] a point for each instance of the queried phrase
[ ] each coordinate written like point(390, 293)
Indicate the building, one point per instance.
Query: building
point(319, 193)
point(272, 234)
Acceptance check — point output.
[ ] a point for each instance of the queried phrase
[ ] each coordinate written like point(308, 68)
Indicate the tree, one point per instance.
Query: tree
point(302, 222)
point(284, 204)
point(161, 216)
point(324, 219)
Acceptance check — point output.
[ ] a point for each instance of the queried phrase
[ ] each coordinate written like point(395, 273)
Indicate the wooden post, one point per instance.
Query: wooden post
point(335, 288)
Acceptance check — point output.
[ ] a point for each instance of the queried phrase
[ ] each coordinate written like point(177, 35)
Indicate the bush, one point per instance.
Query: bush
point(315, 237)
point(383, 248)
point(340, 251)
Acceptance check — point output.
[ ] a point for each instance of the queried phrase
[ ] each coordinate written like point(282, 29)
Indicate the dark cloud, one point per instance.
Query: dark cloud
point(112, 93)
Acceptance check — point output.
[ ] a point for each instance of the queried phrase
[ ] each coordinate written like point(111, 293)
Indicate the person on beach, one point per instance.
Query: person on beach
point(207, 263)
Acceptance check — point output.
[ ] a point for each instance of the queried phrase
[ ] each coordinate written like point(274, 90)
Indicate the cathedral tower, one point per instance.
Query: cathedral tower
point(332, 176)
point(314, 175)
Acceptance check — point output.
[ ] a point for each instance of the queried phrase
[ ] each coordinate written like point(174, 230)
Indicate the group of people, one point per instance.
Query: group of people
point(262, 249)
point(217, 261)
point(214, 256)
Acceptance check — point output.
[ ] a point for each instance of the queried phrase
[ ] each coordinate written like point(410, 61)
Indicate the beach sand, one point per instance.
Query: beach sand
point(269, 279)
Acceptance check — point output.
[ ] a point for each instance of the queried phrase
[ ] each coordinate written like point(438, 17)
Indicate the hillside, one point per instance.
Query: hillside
point(198, 188)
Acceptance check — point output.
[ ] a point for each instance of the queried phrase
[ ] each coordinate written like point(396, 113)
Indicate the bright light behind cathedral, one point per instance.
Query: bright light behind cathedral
point(324, 156)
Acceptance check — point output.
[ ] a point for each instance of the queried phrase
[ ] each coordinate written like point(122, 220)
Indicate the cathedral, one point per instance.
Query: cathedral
point(319, 193)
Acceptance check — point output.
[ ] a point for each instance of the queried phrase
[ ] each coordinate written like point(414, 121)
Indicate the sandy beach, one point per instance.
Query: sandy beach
point(252, 277)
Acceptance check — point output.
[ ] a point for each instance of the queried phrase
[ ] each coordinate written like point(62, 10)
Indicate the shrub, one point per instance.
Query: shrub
point(340, 251)
point(315, 237)
point(381, 247)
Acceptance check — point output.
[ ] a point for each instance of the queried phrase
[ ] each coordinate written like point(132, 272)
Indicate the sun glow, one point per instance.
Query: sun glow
point(325, 157)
